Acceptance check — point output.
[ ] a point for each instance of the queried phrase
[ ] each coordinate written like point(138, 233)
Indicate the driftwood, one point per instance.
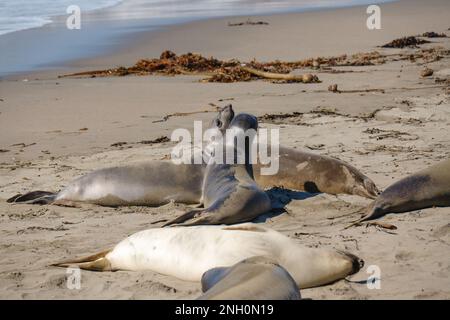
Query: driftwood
point(182, 114)
point(305, 78)
point(334, 88)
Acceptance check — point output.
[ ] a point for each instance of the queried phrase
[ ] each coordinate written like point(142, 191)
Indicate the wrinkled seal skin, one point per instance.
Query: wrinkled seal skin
point(427, 188)
point(150, 183)
point(306, 171)
point(230, 195)
point(256, 278)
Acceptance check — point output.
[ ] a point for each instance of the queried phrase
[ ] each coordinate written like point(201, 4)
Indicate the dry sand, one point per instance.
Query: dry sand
point(411, 132)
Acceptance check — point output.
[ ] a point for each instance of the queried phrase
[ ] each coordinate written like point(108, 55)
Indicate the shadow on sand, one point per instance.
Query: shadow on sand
point(280, 198)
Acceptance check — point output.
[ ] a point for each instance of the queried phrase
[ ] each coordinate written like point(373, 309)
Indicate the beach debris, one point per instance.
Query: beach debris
point(248, 22)
point(4, 150)
point(23, 145)
point(427, 72)
point(227, 71)
point(380, 134)
point(432, 34)
point(39, 228)
point(305, 78)
point(271, 117)
point(316, 64)
point(157, 140)
point(216, 70)
point(334, 88)
point(183, 114)
point(119, 144)
point(319, 146)
point(83, 129)
point(410, 41)
point(160, 139)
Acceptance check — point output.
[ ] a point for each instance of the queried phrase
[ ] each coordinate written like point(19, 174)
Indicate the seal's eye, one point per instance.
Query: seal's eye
point(218, 123)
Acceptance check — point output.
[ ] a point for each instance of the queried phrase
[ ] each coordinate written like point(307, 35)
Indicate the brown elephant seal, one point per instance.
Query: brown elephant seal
point(427, 188)
point(230, 194)
point(306, 171)
point(151, 183)
point(256, 278)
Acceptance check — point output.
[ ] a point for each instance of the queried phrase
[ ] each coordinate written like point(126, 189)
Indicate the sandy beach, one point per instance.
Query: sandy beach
point(388, 121)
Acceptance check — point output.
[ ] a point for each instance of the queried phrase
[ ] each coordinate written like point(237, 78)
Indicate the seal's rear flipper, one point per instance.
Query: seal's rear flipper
point(184, 217)
point(96, 262)
point(34, 197)
point(373, 212)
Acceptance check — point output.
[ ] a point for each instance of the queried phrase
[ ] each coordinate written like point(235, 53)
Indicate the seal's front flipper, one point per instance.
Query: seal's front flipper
point(34, 197)
point(96, 262)
point(184, 217)
point(212, 276)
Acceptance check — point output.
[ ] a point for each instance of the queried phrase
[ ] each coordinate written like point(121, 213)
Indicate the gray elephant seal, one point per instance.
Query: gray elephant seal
point(306, 171)
point(230, 194)
point(151, 183)
point(256, 278)
point(427, 188)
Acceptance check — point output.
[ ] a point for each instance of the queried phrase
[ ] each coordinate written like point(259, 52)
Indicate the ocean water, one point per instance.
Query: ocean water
point(18, 15)
point(106, 23)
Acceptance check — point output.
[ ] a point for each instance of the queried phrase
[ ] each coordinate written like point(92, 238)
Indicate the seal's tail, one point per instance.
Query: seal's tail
point(95, 262)
point(34, 197)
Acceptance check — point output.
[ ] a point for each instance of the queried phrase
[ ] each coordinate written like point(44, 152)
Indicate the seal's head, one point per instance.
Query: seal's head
point(223, 119)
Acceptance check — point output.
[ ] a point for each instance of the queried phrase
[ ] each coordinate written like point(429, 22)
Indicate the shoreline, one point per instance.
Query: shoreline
point(123, 39)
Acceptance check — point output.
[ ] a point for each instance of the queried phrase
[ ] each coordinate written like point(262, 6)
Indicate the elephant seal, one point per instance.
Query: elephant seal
point(188, 252)
point(306, 171)
point(230, 194)
point(256, 278)
point(427, 188)
point(151, 183)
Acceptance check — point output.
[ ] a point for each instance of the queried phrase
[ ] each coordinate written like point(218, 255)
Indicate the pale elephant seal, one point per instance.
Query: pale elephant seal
point(256, 278)
point(306, 171)
point(188, 252)
point(427, 188)
point(230, 195)
point(150, 183)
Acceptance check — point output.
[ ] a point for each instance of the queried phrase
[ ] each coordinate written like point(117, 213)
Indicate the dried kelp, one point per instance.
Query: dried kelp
point(410, 41)
point(247, 23)
point(432, 34)
point(215, 70)
point(195, 64)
